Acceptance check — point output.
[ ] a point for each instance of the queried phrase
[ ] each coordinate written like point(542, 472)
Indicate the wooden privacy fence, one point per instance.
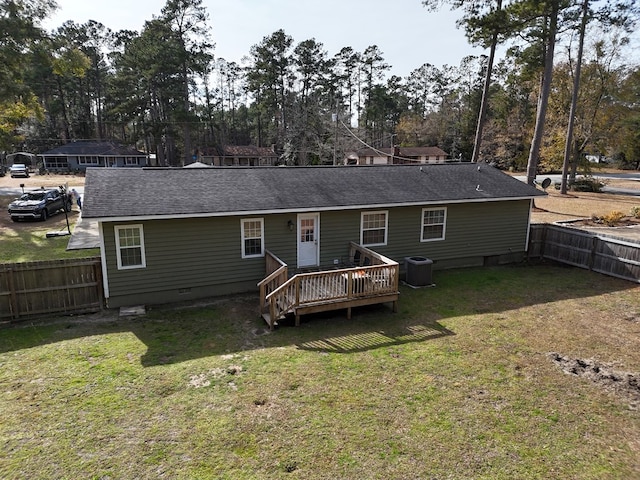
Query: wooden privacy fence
point(50, 287)
point(612, 256)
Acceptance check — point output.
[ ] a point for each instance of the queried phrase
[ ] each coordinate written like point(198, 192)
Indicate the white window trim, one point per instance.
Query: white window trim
point(88, 160)
point(444, 224)
point(386, 227)
point(143, 258)
point(242, 237)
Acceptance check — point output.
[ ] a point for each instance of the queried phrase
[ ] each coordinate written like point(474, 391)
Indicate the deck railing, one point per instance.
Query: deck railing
point(277, 274)
point(372, 275)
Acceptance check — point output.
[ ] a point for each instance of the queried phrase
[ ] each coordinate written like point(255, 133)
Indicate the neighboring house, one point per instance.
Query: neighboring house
point(175, 234)
point(242, 156)
point(400, 155)
point(77, 156)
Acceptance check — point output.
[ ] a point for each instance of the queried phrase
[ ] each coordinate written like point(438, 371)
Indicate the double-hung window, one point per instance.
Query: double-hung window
point(252, 237)
point(373, 228)
point(434, 221)
point(130, 247)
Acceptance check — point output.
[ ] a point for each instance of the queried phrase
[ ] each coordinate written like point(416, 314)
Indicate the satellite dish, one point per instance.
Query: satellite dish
point(545, 183)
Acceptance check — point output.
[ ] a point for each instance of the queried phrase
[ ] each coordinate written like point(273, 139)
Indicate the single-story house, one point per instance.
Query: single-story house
point(240, 155)
point(77, 156)
point(171, 234)
point(400, 155)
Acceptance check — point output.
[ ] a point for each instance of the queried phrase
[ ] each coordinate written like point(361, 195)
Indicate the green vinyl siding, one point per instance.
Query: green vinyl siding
point(190, 258)
point(337, 229)
point(188, 254)
point(472, 230)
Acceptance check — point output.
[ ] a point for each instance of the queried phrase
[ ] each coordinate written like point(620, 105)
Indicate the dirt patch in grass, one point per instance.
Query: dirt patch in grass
point(623, 384)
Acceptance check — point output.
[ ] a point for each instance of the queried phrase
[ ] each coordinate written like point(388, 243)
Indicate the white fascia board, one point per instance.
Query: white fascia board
point(103, 260)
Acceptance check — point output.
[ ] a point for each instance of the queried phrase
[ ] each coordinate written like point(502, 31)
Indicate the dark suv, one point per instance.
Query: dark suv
point(39, 204)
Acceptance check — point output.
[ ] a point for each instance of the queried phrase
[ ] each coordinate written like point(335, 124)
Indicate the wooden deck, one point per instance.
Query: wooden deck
point(371, 279)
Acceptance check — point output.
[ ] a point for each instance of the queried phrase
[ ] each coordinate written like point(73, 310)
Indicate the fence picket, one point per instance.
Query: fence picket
point(50, 287)
point(604, 254)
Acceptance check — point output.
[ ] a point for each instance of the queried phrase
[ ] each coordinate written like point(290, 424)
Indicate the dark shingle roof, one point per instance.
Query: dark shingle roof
point(248, 151)
point(419, 151)
point(109, 149)
point(217, 191)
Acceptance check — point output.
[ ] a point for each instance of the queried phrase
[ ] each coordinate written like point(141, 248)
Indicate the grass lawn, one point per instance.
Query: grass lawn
point(458, 384)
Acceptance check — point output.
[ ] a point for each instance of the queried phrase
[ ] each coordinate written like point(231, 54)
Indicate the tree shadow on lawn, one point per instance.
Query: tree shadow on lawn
point(177, 333)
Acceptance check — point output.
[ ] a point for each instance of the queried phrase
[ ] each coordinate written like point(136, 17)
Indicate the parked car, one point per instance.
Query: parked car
point(39, 204)
point(19, 170)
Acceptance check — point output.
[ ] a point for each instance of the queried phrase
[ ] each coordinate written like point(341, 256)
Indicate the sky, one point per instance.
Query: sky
point(407, 34)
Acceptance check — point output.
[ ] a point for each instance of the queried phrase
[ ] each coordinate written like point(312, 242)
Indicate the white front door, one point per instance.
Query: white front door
point(308, 240)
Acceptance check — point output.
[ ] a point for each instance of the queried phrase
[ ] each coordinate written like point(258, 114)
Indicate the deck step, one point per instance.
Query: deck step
point(267, 318)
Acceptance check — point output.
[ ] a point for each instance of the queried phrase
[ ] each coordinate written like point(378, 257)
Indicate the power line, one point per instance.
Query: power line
point(374, 148)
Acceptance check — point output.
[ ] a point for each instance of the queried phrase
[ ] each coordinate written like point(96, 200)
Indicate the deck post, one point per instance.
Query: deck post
point(272, 313)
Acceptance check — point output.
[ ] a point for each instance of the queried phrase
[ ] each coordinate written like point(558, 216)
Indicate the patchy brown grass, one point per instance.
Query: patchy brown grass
point(557, 207)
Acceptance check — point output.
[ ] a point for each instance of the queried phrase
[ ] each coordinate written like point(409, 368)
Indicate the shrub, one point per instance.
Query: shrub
point(587, 184)
point(635, 211)
point(612, 218)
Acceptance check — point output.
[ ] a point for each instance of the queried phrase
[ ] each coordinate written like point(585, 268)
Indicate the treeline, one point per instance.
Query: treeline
point(164, 90)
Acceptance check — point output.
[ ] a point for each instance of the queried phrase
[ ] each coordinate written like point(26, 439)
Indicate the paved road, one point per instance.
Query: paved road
point(611, 176)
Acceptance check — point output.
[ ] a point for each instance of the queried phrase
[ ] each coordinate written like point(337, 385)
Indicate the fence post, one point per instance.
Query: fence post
point(97, 268)
point(13, 300)
point(543, 240)
point(592, 256)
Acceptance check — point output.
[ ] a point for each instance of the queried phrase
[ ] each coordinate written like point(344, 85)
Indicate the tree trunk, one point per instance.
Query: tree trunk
point(485, 95)
point(574, 100)
point(63, 105)
point(534, 152)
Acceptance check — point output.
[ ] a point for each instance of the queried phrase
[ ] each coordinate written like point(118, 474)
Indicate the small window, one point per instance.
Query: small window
point(434, 221)
point(84, 160)
point(373, 228)
point(252, 237)
point(130, 247)
point(131, 161)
